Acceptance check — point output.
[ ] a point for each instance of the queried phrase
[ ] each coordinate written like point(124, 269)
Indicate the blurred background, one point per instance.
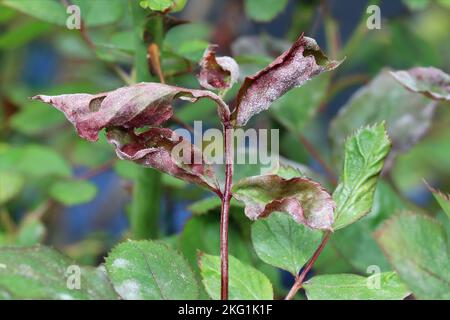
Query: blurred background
point(60, 190)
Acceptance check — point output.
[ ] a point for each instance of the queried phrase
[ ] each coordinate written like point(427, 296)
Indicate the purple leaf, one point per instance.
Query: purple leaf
point(294, 67)
point(217, 72)
point(143, 104)
point(430, 82)
point(154, 148)
point(305, 200)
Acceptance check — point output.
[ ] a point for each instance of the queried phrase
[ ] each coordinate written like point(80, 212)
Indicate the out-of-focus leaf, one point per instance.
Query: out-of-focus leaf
point(47, 10)
point(407, 115)
point(383, 286)
point(206, 205)
point(147, 270)
point(34, 161)
point(431, 82)
point(72, 192)
point(443, 199)
point(19, 35)
point(264, 10)
point(35, 119)
point(299, 105)
point(188, 40)
point(365, 152)
point(356, 244)
point(293, 68)
point(245, 282)
point(283, 243)
point(10, 185)
point(42, 273)
point(31, 232)
point(217, 72)
point(416, 4)
point(6, 14)
point(100, 12)
point(306, 201)
point(418, 249)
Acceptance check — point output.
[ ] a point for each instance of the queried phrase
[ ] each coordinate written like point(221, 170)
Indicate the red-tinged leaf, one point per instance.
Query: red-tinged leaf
point(155, 148)
point(294, 67)
point(129, 107)
point(217, 72)
point(305, 200)
point(430, 82)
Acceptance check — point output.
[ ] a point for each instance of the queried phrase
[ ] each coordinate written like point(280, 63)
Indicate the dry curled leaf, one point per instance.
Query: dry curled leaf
point(300, 63)
point(217, 72)
point(135, 106)
point(430, 82)
point(305, 200)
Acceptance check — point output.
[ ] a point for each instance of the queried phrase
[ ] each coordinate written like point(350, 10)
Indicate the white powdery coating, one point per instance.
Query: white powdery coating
point(129, 290)
point(230, 65)
point(120, 263)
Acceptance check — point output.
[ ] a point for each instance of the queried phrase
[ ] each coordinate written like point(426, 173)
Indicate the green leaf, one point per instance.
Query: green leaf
point(36, 118)
point(296, 108)
point(10, 185)
point(283, 243)
point(356, 243)
point(72, 192)
point(156, 5)
point(188, 40)
point(383, 286)
point(407, 115)
point(34, 161)
point(42, 273)
point(151, 271)
point(443, 199)
point(20, 35)
point(418, 249)
point(365, 152)
point(416, 4)
point(31, 232)
point(100, 12)
point(245, 282)
point(46, 10)
point(264, 10)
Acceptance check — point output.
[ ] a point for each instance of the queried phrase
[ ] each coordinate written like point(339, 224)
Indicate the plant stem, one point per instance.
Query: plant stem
point(301, 277)
point(225, 210)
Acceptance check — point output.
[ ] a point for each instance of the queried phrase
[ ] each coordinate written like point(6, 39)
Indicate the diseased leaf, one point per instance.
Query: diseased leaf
point(407, 115)
point(431, 82)
point(245, 282)
point(293, 68)
point(154, 148)
point(130, 107)
point(72, 192)
point(365, 152)
point(217, 72)
point(383, 286)
point(147, 270)
point(418, 249)
point(283, 243)
point(442, 198)
point(42, 273)
point(306, 201)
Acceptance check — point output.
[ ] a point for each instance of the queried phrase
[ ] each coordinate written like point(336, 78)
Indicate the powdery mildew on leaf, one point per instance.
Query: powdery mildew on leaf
point(431, 82)
point(217, 72)
point(153, 148)
point(305, 200)
point(294, 67)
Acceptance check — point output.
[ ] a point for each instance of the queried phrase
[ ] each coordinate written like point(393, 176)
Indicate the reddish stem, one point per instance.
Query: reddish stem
point(301, 277)
point(225, 211)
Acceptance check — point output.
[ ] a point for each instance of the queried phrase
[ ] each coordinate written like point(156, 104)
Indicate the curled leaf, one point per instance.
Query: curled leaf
point(217, 72)
point(155, 148)
point(431, 82)
point(300, 63)
point(135, 106)
point(305, 200)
